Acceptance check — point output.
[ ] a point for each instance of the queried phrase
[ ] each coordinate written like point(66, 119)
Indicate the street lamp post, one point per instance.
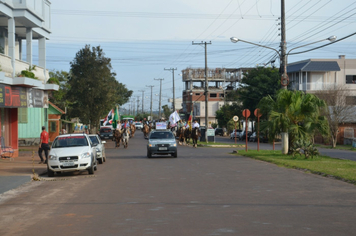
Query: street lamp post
point(284, 78)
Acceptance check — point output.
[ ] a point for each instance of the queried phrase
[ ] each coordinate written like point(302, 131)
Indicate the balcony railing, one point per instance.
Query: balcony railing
point(317, 86)
point(6, 67)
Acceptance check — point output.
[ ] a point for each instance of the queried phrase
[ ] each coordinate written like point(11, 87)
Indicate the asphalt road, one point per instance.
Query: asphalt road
point(205, 191)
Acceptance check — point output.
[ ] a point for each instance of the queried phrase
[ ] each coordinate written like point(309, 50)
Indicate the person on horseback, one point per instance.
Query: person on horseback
point(195, 124)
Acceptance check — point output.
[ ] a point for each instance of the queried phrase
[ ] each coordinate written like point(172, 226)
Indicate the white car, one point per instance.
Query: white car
point(100, 147)
point(72, 152)
point(232, 135)
point(138, 125)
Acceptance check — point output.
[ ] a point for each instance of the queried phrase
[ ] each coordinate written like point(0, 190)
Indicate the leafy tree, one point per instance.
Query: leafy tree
point(59, 97)
point(256, 84)
point(166, 111)
point(226, 112)
point(295, 113)
point(93, 88)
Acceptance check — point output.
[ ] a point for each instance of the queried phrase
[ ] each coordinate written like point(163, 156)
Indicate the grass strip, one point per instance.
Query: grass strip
point(338, 147)
point(344, 170)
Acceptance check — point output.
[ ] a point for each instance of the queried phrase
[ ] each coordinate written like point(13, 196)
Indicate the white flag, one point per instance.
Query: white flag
point(174, 118)
point(107, 118)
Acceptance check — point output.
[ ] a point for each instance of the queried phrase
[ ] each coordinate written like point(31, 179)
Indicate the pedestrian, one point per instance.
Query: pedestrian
point(43, 145)
point(195, 125)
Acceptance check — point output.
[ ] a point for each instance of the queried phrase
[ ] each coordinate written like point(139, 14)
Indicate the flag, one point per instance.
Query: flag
point(108, 118)
point(174, 118)
point(116, 118)
point(190, 119)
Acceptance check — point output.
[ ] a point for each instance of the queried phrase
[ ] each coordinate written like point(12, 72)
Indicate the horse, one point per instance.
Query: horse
point(125, 137)
point(181, 136)
point(133, 129)
point(117, 136)
point(187, 135)
point(145, 130)
point(195, 135)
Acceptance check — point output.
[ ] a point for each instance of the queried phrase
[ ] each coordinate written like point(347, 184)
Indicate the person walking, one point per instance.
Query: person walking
point(43, 145)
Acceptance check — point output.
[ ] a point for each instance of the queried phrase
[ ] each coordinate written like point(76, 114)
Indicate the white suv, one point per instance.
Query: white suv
point(72, 152)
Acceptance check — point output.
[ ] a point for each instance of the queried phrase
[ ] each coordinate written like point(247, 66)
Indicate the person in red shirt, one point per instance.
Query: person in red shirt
point(43, 145)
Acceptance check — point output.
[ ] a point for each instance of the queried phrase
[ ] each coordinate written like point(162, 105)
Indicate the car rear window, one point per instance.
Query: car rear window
point(105, 130)
point(70, 141)
point(161, 135)
point(94, 139)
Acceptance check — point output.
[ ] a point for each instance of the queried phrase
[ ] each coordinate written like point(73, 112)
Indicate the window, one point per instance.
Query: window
point(350, 79)
point(221, 95)
point(52, 127)
point(348, 132)
point(350, 100)
point(213, 95)
point(197, 94)
point(22, 115)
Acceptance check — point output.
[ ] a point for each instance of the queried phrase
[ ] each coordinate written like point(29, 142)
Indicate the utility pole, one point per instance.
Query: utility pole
point(206, 92)
point(151, 99)
point(143, 95)
point(138, 103)
point(283, 68)
point(160, 96)
point(174, 96)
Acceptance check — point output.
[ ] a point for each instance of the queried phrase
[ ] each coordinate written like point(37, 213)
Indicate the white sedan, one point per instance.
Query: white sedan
point(72, 152)
point(100, 147)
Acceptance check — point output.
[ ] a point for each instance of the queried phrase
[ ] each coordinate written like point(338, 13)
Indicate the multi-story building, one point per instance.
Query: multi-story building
point(219, 80)
point(23, 100)
point(317, 75)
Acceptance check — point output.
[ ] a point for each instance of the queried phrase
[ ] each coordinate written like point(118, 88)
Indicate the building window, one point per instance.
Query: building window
point(350, 79)
point(348, 132)
point(350, 100)
point(46, 115)
point(213, 95)
point(22, 115)
point(53, 127)
point(221, 95)
point(197, 94)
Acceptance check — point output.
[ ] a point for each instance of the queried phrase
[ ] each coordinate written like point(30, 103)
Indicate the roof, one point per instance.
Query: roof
point(317, 66)
point(57, 108)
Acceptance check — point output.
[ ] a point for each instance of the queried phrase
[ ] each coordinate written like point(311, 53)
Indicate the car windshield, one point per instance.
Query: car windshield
point(162, 135)
point(70, 141)
point(94, 139)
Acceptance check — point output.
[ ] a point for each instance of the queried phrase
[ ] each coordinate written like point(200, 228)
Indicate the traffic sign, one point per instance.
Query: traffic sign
point(246, 113)
point(235, 118)
point(257, 113)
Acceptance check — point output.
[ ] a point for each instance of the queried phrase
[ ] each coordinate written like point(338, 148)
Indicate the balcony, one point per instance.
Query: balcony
point(6, 67)
point(317, 86)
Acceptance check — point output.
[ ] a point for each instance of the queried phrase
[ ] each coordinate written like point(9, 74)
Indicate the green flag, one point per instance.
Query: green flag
point(116, 118)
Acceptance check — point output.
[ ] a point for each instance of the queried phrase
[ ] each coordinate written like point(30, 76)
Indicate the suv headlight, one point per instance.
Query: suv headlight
point(85, 155)
point(151, 145)
point(97, 149)
point(52, 157)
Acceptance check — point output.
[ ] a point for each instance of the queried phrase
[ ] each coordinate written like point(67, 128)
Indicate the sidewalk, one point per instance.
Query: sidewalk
point(19, 170)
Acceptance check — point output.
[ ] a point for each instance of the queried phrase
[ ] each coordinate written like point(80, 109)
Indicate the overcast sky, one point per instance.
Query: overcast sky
point(144, 37)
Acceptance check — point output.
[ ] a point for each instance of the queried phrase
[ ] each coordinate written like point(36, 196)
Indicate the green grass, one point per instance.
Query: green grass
point(323, 165)
point(338, 147)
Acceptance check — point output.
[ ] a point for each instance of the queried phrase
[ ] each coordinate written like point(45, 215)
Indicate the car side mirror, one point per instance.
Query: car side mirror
point(103, 142)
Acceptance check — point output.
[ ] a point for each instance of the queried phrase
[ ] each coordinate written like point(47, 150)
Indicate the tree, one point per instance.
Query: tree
point(256, 84)
point(339, 111)
point(295, 113)
point(166, 111)
point(226, 112)
point(93, 88)
point(59, 97)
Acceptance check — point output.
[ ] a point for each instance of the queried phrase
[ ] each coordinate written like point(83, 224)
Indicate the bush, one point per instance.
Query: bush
point(306, 148)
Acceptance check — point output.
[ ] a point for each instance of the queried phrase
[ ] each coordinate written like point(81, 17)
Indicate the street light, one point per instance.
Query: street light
point(284, 80)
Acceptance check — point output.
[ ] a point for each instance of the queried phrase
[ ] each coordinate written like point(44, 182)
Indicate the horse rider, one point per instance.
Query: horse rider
point(195, 124)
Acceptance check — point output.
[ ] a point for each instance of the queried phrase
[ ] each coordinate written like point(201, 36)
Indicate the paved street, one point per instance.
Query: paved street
point(205, 191)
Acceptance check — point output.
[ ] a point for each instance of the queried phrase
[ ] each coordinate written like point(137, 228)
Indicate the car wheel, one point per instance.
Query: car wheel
point(101, 160)
point(149, 154)
point(91, 169)
point(50, 173)
point(175, 154)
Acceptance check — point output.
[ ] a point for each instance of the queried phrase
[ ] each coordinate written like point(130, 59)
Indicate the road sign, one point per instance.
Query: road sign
point(257, 113)
point(235, 118)
point(284, 80)
point(210, 132)
point(246, 113)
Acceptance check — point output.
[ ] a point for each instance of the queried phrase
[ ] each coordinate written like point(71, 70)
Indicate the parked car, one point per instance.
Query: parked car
point(72, 152)
point(138, 125)
point(237, 132)
point(219, 131)
point(253, 138)
point(161, 142)
point(243, 135)
point(106, 132)
point(100, 147)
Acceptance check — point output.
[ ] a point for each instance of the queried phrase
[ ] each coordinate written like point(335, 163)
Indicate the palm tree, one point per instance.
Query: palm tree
point(296, 114)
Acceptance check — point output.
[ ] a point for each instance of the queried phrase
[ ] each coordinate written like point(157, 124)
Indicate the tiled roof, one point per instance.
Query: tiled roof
point(321, 66)
point(55, 107)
